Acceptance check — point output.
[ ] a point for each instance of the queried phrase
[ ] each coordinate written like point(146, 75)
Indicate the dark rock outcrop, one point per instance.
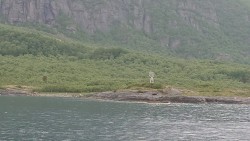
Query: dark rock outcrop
point(157, 97)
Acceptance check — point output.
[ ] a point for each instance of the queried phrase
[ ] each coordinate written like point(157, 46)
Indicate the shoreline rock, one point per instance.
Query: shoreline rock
point(137, 96)
point(158, 97)
point(14, 92)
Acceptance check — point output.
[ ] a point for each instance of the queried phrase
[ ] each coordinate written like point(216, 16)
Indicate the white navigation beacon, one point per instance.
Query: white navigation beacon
point(151, 75)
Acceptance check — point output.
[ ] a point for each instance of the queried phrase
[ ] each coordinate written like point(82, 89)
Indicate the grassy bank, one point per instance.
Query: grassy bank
point(129, 71)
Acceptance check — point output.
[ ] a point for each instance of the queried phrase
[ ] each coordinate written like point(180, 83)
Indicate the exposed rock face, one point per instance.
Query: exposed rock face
point(90, 15)
point(16, 11)
point(166, 23)
point(189, 9)
point(100, 15)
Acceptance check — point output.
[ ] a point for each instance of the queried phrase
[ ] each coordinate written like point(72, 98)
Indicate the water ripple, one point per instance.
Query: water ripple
point(74, 119)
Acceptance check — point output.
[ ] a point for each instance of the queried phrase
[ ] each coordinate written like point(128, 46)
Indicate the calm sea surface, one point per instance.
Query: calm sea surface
point(39, 118)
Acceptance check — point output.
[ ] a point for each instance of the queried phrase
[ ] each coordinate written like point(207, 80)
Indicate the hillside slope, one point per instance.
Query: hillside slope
point(208, 29)
point(44, 62)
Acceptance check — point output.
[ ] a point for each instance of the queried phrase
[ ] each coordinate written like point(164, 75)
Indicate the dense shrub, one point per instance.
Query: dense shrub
point(107, 53)
point(14, 42)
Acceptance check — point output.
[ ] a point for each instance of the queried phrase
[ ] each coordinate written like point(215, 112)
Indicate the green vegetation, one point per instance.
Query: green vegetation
point(17, 42)
point(129, 71)
point(48, 64)
point(188, 29)
point(204, 29)
point(215, 53)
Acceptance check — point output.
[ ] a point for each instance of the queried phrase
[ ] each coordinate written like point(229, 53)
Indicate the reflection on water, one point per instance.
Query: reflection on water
point(36, 118)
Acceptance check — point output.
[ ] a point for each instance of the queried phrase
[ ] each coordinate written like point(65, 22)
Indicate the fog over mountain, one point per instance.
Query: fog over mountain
point(209, 29)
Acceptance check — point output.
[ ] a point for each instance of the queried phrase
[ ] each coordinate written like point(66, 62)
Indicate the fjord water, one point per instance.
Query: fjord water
point(43, 118)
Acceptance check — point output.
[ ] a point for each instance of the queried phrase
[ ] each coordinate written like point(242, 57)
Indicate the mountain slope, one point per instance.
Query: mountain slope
point(78, 45)
point(208, 29)
point(28, 56)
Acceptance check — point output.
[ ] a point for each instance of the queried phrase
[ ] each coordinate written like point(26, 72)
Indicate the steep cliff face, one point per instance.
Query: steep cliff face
point(189, 10)
point(94, 15)
point(16, 11)
point(188, 27)
point(90, 15)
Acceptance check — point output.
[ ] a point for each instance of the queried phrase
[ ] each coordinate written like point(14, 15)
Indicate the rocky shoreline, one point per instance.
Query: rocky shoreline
point(158, 97)
point(137, 96)
point(14, 92)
